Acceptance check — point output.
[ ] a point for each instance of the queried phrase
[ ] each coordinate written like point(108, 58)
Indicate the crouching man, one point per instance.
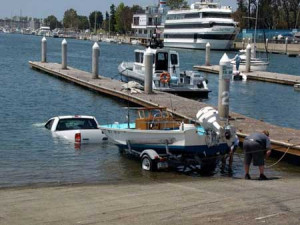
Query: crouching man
point(256, 147)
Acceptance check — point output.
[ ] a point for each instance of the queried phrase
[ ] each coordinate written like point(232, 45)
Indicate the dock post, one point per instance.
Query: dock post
point(148, 72)
point(243, 43)
point(248, 58)
point(286, 45)
point(207, 55)
point(64, 54)
point(95, 61)
point(44, 50)
point(224, 85)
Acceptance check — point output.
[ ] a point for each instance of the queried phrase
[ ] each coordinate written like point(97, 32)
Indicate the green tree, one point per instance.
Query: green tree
point(137, 9)
point(70, 19)
point(106, 22)
point(123, 18)
point(99, 19)
point(83, 23)
point(112, 19)
point(177, 4)
point(52, 22)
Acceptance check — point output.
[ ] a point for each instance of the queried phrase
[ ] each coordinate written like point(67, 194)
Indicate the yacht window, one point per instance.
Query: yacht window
point(161, 61)
point(215, 15)
point(192, 15)
point(174, 60)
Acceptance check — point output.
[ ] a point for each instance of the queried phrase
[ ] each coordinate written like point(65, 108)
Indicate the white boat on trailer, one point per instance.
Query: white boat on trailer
point(167, 76)
point(156, 137)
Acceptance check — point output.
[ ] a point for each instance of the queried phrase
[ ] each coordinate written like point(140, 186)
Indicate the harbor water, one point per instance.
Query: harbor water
point(29, 155)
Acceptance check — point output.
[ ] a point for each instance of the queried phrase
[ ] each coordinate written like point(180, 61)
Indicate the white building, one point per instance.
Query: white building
point(152, 21)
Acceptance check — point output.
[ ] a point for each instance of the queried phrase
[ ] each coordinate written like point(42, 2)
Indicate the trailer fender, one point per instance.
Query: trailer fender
point(152, 154)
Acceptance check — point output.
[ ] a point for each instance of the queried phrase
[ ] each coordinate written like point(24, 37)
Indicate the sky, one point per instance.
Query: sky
point(44, 8)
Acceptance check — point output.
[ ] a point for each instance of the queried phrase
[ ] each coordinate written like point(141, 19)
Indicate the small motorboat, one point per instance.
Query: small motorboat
point(256, 64)
point(167, 75)
point(158, 134)
point(297, 87)
point(237, 75)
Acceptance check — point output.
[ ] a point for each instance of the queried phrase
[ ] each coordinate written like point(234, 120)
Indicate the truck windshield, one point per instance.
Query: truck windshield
point(76, 123)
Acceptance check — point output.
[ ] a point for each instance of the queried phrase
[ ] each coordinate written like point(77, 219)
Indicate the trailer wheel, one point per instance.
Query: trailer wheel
point(147, 163)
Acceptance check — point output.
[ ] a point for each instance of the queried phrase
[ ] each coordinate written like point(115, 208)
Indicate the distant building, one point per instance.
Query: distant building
point(152, 21)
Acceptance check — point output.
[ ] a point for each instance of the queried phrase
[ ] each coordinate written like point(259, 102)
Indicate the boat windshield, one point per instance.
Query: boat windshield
point(156, 119)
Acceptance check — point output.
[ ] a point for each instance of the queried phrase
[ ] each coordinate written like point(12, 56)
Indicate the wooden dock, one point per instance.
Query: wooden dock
point(257, 75)
point(282, 138)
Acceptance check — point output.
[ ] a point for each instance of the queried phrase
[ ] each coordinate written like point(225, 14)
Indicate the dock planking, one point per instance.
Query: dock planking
point(281, 138)
point(257, 75)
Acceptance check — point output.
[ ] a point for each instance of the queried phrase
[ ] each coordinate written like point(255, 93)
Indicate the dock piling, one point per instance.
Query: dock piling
point(286, 45)
point(64, 54)
point(207, 54)
point(44, 50)
point(248, 58)
point(148, 72)
point(95, 60)
point(224, 85)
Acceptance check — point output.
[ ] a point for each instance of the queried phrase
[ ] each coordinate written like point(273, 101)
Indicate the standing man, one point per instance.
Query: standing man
point(237, 59)
point(256, 146)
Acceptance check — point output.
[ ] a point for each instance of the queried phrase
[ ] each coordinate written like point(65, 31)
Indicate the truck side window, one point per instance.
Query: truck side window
point(49, 124)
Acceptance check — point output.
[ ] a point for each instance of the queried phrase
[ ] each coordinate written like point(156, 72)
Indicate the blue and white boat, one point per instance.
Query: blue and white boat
point(158, 130)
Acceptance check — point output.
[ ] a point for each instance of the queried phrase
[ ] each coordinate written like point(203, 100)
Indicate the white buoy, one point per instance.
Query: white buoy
point(225, 75)
point(248, 58)
point(148, 72)
point(44, 50)
point(207, 55)
point(95, 60)
point(64, 54)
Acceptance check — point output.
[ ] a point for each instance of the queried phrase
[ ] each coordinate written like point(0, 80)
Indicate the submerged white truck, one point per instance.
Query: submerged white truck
point(77, 129)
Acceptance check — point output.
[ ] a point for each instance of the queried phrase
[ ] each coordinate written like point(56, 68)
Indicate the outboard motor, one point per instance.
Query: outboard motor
point(209, 119)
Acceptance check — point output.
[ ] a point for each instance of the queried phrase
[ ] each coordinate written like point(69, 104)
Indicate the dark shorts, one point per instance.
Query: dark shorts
point(253, 150)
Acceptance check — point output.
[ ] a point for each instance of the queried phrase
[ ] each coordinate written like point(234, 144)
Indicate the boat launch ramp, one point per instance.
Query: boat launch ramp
point(283, 139)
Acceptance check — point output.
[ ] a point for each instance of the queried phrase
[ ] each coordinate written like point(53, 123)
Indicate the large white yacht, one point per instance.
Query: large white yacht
point(205, 21)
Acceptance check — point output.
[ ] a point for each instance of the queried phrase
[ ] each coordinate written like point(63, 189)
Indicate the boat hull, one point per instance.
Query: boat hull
point(188, 141)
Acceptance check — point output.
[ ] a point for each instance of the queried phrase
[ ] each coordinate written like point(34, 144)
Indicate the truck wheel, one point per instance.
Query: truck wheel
point(147, 163)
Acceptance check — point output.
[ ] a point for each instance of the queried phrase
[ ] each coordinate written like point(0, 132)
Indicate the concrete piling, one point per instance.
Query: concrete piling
point(148, 72)
point(248, 58)
point(64, 54)
point(95, 60)
point(44, 50)
point(224, 85)
point(207, 55)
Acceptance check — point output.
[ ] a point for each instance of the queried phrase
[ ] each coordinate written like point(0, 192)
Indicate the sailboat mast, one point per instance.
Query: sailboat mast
point(254, 51)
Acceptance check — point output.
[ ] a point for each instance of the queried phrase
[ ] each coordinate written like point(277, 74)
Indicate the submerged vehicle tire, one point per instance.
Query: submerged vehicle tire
point(147, 163)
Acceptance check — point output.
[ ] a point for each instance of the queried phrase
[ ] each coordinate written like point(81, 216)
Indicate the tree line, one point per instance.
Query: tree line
point(272, 14)
point(117, 20)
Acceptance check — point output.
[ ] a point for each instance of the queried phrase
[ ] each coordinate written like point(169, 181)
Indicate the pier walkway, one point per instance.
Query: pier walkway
point(182, 107)
point(257, 75)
